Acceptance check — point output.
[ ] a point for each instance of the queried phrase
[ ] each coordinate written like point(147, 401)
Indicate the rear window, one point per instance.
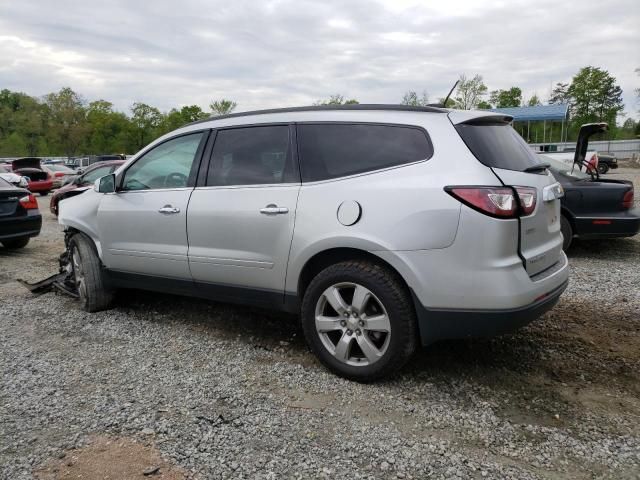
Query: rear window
point(337, 150)
point(498, 145)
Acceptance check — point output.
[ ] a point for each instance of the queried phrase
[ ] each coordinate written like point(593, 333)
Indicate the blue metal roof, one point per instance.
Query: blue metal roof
point(557, 112)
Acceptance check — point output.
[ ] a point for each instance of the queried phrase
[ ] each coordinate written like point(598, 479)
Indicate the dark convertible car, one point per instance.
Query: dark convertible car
point(593, 207)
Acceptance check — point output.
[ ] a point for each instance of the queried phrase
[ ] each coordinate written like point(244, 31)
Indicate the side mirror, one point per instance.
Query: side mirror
point(106, 184)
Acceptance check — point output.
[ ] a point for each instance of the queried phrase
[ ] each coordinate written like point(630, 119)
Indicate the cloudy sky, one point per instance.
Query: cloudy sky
point(274, 53)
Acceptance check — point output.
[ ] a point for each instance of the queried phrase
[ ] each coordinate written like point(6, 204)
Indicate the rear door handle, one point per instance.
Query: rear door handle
point(273, 209)
point(168, 210)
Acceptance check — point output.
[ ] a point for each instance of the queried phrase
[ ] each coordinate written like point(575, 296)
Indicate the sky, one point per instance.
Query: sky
point(278, 53)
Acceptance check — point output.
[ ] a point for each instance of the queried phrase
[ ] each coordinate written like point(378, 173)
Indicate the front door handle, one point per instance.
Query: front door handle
point(273, 209)
point(168, 210)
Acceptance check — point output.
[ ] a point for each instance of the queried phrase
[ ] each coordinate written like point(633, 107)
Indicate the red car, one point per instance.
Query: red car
point(83, 182)
point(39, 180)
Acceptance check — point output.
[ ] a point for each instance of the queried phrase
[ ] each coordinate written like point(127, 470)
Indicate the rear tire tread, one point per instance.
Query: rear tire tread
point(404, 333)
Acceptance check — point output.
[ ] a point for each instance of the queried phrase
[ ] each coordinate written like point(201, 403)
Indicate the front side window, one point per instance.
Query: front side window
point(166, 166)
point(252, 156)
point(337, 150)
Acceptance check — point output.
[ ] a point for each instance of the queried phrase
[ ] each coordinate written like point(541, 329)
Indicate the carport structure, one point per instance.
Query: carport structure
point(524, 116)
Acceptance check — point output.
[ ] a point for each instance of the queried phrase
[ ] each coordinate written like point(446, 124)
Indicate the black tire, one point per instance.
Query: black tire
point(16, 243)
point(45, 193)
point(567, 232)
point(93, 289)
point(603, 168)
point(389, 291)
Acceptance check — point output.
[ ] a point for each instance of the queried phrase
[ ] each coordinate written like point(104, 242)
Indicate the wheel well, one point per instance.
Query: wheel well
point(566, 214)
point(326, 258)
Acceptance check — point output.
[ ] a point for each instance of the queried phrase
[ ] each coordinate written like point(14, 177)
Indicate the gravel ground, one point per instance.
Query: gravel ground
point(227, 392)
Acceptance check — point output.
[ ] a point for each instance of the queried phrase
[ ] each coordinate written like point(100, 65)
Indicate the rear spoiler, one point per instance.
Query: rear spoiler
point(586, 131)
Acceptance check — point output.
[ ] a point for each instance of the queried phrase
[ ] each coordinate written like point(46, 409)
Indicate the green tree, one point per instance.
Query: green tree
point(66, 120)
point(470, 92)
point(177, 118)
point(337, 100)
point(144, 121)
point(483, 105)
point(222, 106)
point(534, 101)
point(559, 94)
point(108, 129)
point(413, 99)
point(595, 97)
point(506, 98)
point(21, 124)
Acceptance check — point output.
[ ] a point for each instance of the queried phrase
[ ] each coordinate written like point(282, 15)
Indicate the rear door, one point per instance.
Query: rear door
point(240, 221)
point(497, 145)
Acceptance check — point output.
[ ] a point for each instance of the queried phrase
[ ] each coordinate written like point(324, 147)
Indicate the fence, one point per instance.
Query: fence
point(619, 148)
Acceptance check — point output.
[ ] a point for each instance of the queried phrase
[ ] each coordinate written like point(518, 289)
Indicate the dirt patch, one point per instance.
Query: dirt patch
point(107, 458)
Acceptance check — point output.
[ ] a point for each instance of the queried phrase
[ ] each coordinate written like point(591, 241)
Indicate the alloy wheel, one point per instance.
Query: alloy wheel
point(352, 324)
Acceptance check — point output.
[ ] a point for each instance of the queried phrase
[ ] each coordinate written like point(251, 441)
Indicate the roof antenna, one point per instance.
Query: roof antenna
point(446, 99)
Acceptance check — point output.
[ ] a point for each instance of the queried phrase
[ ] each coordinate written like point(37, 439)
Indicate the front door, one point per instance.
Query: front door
point(143, 225)
point(240, 224)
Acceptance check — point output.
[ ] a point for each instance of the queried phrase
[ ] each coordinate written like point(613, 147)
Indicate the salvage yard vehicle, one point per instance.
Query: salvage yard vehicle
point(82, 182)
point(383, 226)
point(20, 218)
point(39, 180)
point(59, 173)
point(593, 207)
point(13, 178)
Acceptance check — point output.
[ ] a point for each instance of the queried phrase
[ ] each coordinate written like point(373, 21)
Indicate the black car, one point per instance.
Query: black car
point(593, 207)
point(606, 161)
point(20, 218)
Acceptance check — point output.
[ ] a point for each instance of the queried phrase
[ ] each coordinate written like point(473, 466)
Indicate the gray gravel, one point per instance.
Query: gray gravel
point(229, 392)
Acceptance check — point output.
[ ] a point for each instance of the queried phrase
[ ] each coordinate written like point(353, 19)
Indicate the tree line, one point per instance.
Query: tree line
point(64, 123)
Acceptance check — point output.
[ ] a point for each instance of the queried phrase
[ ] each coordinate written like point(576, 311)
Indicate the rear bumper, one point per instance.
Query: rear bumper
point(441, 324)
point(619, 224)
point(18, 227)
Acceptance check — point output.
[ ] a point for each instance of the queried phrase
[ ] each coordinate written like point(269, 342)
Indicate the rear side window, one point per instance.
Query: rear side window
point(252, 156)
point(498, 145)
point(337, 150)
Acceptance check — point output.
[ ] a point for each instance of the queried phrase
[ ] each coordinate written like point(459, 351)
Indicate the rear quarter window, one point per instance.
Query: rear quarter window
point(336, 150)
point(497, 145)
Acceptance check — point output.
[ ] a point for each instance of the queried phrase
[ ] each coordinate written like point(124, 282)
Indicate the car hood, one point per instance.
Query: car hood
point(28, 162)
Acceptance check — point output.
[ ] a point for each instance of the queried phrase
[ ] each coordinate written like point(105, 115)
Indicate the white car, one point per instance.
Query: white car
point(13, 178)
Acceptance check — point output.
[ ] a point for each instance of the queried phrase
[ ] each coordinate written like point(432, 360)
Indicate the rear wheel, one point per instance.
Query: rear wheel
point(16, 243)
point(45, 193)
point(567, 232)
point(603, 168)
point(359, 320)
point(93, 291)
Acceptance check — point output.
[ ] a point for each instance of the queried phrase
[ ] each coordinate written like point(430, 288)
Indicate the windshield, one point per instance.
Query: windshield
point(556, 166)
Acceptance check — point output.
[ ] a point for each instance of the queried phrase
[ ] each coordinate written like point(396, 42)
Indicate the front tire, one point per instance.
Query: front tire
point(567, 232)
point(93, 290)
point(359, 320)
point(603, 168)
point(15, 243)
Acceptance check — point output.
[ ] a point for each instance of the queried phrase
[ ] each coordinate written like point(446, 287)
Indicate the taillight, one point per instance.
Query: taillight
point(527, 196)
point(498, 202)
point(29, 202)
point(627, 200)
point(59, 174)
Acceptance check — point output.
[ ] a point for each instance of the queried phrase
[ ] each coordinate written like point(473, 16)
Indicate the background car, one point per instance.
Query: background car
point(40, 181)
point(80, 183)
point(20, 218)
point(593, 207)
point(13, 178)
point(59, 173)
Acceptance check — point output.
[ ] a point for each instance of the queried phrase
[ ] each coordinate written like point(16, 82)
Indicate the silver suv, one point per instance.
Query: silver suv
point(382, 226)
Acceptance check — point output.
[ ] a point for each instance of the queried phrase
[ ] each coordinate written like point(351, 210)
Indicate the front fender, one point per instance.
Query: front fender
point(81, 213)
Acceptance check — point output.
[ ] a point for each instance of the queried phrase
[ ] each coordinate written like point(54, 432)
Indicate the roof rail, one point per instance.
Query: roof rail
point(316, 108)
